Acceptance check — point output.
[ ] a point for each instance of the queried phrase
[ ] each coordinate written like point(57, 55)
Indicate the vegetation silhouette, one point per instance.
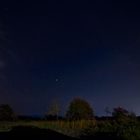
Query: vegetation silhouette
point(79, 123)
point(79, 109)
point(6, 113)
point(53, 110)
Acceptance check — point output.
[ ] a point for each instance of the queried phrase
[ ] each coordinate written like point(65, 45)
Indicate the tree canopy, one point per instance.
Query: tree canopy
point(120, 111)
point(6, 112)
point(79, 109)
point(54, 109)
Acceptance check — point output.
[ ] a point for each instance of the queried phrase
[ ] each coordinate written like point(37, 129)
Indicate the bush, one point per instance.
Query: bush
point(6, 113)
point(130, 130)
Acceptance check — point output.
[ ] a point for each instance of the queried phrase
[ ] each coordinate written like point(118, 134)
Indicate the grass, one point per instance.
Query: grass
point(127, 129)
point(72, 128)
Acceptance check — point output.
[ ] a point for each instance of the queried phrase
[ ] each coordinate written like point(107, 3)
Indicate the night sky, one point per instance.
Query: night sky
point(64, 49)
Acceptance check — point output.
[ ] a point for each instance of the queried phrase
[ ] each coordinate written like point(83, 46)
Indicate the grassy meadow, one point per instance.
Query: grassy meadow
point(127, 129)
point(72, 128)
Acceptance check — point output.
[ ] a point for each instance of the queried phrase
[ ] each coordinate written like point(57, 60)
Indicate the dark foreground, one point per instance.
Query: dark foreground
point(22, 132)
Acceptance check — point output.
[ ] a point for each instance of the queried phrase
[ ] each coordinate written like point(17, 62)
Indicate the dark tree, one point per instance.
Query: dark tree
point(6, 113)
point(119, 112)
point(54, 110)
point(79, 109)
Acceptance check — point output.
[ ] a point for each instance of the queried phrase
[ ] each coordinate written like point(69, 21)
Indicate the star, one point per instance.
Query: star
point(56, 79)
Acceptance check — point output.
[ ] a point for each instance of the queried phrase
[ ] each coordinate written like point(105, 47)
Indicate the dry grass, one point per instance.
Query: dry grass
point(66, 127)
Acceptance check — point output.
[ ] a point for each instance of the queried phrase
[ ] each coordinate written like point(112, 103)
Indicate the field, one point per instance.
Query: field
point(126, 129)
point(71, 128)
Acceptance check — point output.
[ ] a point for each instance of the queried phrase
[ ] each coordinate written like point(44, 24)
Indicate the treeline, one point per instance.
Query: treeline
point(78, 109)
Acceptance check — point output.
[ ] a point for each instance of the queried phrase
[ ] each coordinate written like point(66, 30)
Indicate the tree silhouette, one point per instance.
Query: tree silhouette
point(6, 113)
point(54, 109)
point(79, 109)
point(119, 112)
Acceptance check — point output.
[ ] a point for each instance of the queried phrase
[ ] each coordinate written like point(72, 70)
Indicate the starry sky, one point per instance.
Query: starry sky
point(64, 49)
